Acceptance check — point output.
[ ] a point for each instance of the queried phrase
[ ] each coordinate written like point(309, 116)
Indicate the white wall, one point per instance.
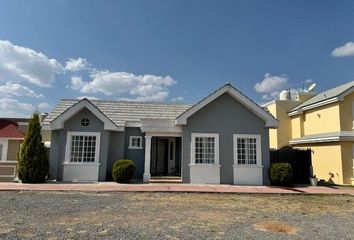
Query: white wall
point(248, 175)
point(205, 173)
point(81, 172)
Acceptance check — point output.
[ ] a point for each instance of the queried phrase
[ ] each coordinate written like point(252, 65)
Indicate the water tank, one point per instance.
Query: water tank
point(284, 95)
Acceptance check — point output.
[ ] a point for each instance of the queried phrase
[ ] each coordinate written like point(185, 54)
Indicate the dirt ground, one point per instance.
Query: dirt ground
point(75, 215)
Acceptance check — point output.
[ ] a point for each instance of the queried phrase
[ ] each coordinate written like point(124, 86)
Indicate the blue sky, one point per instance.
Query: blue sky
point(164, 50)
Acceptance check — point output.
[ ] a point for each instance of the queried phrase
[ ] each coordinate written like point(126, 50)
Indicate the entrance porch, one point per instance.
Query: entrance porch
point(162, 157)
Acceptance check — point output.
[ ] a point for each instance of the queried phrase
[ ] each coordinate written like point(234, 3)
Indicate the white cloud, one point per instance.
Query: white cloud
point(138, 87)
point(271, 83)
point(75, 65)
point(270, 96)
point(10, 107)
point(88, 97)
point(270, 86)
point(156, 97)
point(77, 83)
point(21, 64)
point(344, 51)
point(44, 106)
point(16, 89)
point(308, 81)
point(179, 98)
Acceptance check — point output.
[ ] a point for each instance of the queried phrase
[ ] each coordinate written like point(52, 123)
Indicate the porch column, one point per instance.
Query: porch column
point(147, 175)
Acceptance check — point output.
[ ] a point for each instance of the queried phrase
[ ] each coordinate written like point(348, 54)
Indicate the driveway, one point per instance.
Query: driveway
point(131, 215)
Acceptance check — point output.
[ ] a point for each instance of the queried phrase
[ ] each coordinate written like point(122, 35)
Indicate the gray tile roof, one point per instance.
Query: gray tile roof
point(331, 93)
point(121, 111)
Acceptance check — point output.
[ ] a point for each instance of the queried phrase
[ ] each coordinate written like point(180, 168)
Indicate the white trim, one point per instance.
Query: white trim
point(58, 123)
point(315, 140)
point(11, 138)
point(132, 124)
point(160, 125)
point(68, 146)
point(258, 149)
point(314, 105)
point(271, 122)
point(331, 137)
point(81, 164)
point(269, 103)
point(131, 142)
point(147, 160)
point(163, 134)
point(5, 146)
point(210, 135)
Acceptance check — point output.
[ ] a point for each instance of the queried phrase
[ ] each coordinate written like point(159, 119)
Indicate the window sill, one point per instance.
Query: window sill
point(8, 161)
point(80, 164)
point(247, 166)
point(135, 148)
point(205, 164)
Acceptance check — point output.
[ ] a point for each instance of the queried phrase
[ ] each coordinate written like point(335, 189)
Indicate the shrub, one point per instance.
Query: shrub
point(280, 173)
point(123, 170)
point(33, 163)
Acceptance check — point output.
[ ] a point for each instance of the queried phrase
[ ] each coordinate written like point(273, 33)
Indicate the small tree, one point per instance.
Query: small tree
point(33, 163)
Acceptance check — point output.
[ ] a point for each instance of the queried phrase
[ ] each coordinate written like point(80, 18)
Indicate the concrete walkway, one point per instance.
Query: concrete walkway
point(155, 187)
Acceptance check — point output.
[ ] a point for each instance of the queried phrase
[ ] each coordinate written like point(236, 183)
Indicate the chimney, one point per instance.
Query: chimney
point(43, 116)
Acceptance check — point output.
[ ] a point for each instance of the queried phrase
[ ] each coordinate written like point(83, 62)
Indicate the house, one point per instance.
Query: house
point(221, 139)
point(323, 122)
point(11, 136)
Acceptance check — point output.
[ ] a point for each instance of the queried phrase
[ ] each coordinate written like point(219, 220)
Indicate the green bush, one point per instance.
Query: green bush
point(33, 163)
point(280, 173)
point(123, 170)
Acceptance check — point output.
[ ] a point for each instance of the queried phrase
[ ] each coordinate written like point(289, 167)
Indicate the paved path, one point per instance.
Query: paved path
point(155, 187)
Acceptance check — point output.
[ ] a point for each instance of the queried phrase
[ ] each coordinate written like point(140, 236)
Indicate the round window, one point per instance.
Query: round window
point(85, 122)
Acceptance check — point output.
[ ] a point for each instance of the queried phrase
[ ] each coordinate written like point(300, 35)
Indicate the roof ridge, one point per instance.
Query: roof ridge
point(122, 101)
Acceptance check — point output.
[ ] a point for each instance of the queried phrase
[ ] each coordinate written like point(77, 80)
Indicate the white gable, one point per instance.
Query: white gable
point(58, 123)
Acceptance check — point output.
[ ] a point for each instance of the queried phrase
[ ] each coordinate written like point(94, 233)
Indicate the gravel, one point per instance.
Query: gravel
point(75, 215)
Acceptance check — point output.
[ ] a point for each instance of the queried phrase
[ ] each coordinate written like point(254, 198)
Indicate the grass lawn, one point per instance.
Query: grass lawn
point(63, 215)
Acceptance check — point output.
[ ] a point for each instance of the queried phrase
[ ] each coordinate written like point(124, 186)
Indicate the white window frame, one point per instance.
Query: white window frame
point(131, 142)
point(258, 149)
point(68, 146)
point(210, 135)
point(5, 146)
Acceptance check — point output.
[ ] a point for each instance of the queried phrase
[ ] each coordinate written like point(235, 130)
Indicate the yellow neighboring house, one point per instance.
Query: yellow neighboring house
point(323, 122)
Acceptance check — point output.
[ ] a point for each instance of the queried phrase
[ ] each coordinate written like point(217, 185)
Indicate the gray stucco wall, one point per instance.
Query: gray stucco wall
point(137, 155)
point(116, 151)
point(225, 116)
point(58, 143)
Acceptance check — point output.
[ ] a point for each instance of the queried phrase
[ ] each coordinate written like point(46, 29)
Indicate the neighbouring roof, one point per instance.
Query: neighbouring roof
point(326, 96)
point(122, 111)
point(9, 129)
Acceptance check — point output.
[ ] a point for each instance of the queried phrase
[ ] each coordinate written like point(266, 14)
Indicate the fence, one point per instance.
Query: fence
point(299, 159)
